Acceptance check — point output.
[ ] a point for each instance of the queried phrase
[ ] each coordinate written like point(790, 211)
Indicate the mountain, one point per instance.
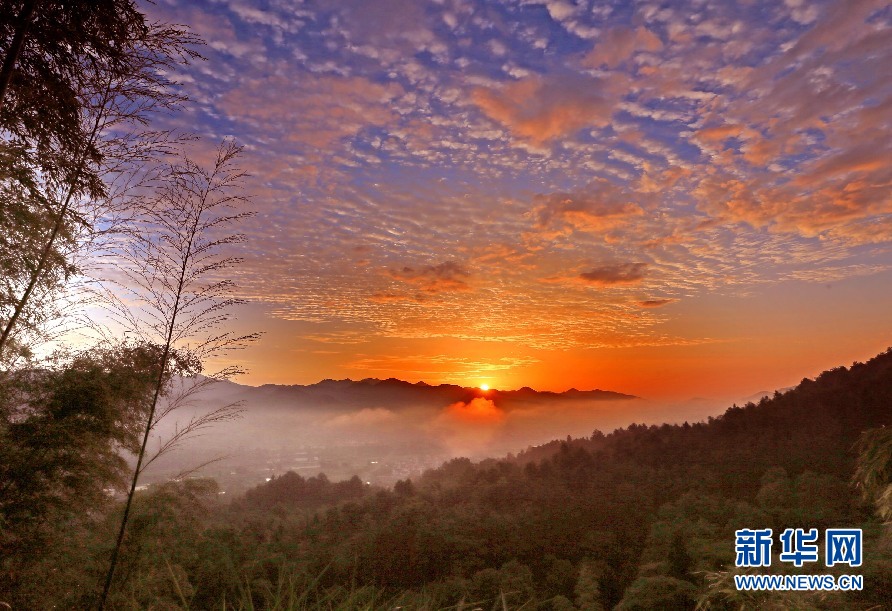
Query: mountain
point(645, 517)
point(813, 426)
point(372, 392)
point(379, 429)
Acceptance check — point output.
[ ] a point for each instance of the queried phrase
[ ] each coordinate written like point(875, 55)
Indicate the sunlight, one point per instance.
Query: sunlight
point(484, 387)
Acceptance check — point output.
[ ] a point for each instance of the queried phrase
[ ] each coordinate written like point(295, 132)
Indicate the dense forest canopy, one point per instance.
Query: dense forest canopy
point(643, 517)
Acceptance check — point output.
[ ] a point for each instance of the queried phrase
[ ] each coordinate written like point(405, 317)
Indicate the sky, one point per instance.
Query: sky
point(666, 199)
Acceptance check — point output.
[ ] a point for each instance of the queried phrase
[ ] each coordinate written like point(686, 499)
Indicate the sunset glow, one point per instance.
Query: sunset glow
point(671, 200)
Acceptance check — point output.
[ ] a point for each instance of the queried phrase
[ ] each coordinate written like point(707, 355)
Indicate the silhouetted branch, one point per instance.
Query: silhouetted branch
point(169, 291)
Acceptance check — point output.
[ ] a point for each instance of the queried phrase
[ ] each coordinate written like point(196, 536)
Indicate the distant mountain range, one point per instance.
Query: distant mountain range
point(372, 392)
point(383, 430)
point(391, 418)
point(436, 421)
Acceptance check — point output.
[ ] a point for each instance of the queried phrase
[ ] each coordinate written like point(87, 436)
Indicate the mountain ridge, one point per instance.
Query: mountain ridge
point(348, 393)
point(396, 382)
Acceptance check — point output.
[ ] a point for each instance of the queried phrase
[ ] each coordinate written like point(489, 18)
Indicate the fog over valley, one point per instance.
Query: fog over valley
point(385, 430)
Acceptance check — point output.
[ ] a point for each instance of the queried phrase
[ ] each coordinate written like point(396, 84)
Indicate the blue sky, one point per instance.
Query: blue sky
point(556, 193)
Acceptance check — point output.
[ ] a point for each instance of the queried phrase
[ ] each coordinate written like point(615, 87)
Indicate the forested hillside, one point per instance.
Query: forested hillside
point(641, 518)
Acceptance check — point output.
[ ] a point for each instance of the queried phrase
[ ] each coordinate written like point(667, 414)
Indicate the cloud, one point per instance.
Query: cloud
point(281, 23)
point(837, 273)
point(220, 34)
point(810, 205)
point(838, 26)
point(807, 161)
point(495, 256)
point(655, 303)
point(479, 410)
point(314, 111)
point(569, 14)
point(438, 366)
point(340, 337)
point(602, 206)
point(560, 10)
point(619, 45)
point(608, 274)
point(448, 276)
point(719, 133)
point(388, 27)
point(469, 428)
point(727, 154)
point(614, 273)
point(369, 416)
point(543, 108)
point(802, 12)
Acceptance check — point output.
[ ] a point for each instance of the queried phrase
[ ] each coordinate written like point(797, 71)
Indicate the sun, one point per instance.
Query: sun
point(484, 387)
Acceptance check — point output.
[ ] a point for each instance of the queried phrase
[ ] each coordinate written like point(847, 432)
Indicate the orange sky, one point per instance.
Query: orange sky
point(664, 199)
point(763, 341)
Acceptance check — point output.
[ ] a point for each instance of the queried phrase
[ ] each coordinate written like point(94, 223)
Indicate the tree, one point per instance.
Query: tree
point(587, 590)
point(404, 488)
point(54, 53)
point(679, 560)
point(659, 593)
point(62, 432)
point(873, 474)
point(21, 24)
point(173, 265)
point(24, 207)
point(164, 536)
point(79, 82)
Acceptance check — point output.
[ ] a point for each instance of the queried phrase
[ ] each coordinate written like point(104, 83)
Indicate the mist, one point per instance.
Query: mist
point(386, 430)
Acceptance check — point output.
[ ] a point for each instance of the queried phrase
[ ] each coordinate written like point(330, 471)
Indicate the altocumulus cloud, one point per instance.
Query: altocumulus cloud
point(542, 108)
point(446, 276)
point(615, 273)
point(655, 303)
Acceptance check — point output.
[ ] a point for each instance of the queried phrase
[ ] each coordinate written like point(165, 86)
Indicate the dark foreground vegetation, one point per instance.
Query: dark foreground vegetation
point(642, 518)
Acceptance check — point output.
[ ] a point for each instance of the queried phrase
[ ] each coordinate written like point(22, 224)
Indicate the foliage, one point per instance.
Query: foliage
point(63, 428)
point(659, 594)
point(163, 537)
point(292, 491)
point(599, 523)
point(874, 471)
point(173, 267)
point(78, 84)
point(76, 141)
